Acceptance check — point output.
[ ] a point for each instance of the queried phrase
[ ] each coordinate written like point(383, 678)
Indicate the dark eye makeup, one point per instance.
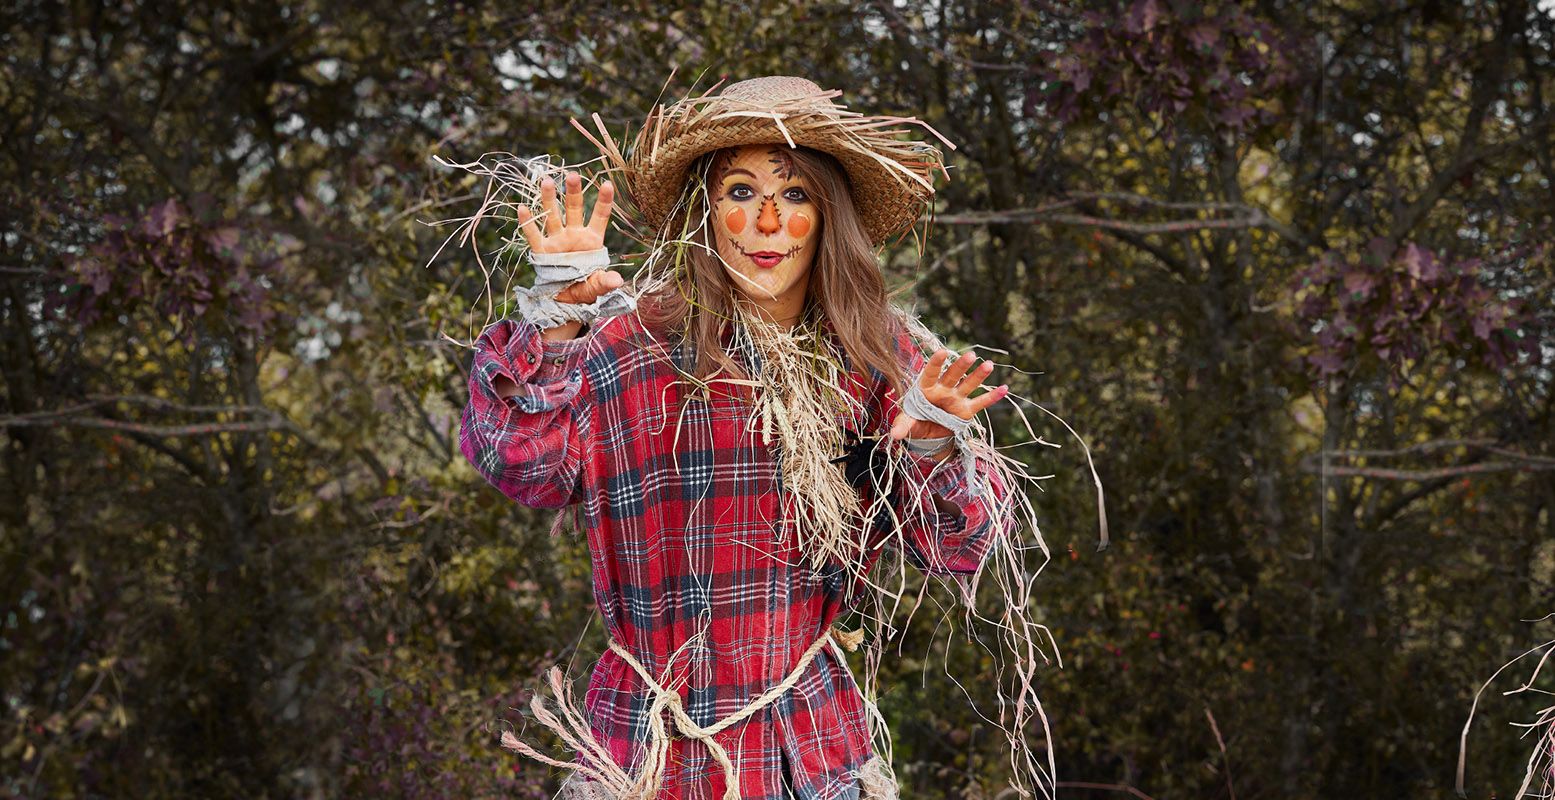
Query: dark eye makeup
point(741, 192)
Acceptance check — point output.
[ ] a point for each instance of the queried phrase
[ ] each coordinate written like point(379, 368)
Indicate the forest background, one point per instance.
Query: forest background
point(1285, 266)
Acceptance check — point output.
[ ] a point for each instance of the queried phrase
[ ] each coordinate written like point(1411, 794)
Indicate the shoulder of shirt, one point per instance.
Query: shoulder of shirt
point(622, 328)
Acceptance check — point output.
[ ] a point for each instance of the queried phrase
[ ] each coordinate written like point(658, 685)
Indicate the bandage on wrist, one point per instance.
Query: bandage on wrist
point(555, 272)
point(928, 446)
point(916, 405)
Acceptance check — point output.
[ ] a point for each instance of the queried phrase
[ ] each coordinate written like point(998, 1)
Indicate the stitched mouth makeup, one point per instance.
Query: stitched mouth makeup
point(766, 259)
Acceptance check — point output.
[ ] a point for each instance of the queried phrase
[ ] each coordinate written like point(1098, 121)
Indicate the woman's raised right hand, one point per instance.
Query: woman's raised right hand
point(565, 232)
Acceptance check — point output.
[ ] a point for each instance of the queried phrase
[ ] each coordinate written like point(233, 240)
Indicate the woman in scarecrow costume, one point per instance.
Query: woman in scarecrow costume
point(743, 433)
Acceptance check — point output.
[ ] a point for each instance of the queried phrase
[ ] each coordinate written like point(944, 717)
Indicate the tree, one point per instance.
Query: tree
point(1285, 266)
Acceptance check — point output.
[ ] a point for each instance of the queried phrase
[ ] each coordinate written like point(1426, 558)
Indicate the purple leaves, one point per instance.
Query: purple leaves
point(1421, 264)
point(1204, 37)
point(1142, 16)
point(1236, 116)
point(1359, 284)
point(162, 218)
point(193, 273)
point(222, 240)
point(1172, 59)
point(1397, 307)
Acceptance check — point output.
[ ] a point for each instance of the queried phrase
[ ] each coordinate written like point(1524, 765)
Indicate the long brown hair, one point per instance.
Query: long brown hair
point(845, 282)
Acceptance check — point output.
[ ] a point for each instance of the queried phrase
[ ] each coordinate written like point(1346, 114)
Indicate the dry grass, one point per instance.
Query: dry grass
point(1539, 776)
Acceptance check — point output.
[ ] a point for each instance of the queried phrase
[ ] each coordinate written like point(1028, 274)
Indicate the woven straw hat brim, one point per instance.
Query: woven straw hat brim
point(891, 179)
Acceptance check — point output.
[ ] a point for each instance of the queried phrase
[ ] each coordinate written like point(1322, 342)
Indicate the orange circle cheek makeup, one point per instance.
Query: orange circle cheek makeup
point(798, 225)
point(734, 221)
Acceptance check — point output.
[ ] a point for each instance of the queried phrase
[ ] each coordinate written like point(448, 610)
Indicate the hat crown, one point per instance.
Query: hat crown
point(770, 89)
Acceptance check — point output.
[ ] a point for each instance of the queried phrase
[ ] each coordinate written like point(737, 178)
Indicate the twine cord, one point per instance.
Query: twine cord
point(648, 783)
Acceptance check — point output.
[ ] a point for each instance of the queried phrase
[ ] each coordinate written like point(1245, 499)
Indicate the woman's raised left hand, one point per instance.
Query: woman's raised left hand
point(951, 392)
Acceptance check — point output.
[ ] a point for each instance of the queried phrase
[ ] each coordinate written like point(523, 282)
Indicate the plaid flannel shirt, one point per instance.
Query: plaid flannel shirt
point(682, 516)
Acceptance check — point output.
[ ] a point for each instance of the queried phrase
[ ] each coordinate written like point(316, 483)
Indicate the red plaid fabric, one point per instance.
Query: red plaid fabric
point(681, 510)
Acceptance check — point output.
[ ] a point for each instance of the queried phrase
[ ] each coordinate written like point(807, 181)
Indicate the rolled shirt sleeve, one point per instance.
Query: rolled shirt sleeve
point(531, 445)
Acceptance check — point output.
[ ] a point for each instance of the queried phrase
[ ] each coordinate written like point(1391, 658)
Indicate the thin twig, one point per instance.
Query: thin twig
point(1105, 787)
point(1224, 757)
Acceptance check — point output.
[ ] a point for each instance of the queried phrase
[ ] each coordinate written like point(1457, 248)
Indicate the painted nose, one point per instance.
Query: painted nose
point(768, 221)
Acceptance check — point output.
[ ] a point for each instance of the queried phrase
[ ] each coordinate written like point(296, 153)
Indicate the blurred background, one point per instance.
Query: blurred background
point(1286, 266)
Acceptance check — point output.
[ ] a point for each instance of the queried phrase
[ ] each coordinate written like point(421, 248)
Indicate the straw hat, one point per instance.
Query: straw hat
point(890, 178)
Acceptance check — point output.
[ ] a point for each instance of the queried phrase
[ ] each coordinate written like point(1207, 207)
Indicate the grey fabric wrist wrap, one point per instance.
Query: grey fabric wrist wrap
point(919, 407)
point(926, 447)
point(555, 272)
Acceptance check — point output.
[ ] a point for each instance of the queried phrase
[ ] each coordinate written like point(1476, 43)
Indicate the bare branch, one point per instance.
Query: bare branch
point(76, 416)
point(1245, 217)
point(1462, 470)
point(1423, 447)
point(1104, 787)
point(197, 429)
point(1489, 446)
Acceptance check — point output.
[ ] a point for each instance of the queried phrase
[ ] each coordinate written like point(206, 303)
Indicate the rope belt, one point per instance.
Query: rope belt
point(667, 698)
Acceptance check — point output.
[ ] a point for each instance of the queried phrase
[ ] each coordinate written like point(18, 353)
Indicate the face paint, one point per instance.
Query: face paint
point(768, 221)
point(782, 163)
point(770, 229)
point(734, 220)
